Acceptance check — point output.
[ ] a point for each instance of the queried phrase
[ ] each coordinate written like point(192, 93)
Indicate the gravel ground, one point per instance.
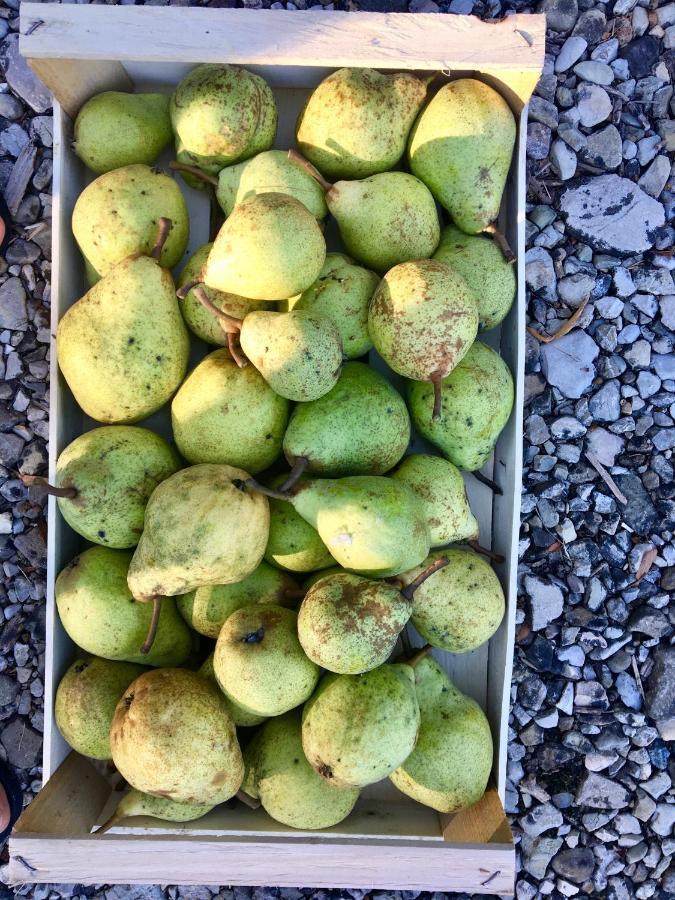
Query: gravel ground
point(590, 788)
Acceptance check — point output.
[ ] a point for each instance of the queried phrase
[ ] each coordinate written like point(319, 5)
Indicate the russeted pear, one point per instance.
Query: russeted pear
point(208, 607)
point(440, 487)
point(224, 113)
point(171, 737)
point(226, 414)
point(423, 318)
point(476, 402)
point(357, 729)
point(259, 663)
point(116, 129)
point(461, 147)
point(101, 616)
point(104, 479)
point(293, 544)
point(116, 216)
point(450, 765)
point(342, 293)
point(123, 347)
point(85, 702)
point(356, 121)
point(360, 427)
point(136, 803)
point(241, 717)
point(201, 321)
point(481, 264)
point(459, 607)
point(289, 789)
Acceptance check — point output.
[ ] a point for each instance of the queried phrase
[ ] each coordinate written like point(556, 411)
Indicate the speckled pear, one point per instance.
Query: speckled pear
point(356, 121)
point(461, 147)
point(259, 662)
point(360, 427)
point(293, 543)
point(241, 717)
point(136, 803)
point(357, 729)
point(289, 789)
point(476, 402)
point(449, 768)
point(195, 758)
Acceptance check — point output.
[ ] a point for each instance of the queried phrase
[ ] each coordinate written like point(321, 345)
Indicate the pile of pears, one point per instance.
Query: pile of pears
point(249, 572)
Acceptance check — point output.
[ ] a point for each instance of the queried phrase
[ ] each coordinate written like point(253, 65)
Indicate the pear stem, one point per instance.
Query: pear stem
point(247, 800)
point(254, 485)
point(70, 493)
point(409, 591)
point(488, 482)
point(500, 240)
point(182, 292)
point(490, 554)
point(164, 228)
point(154, 622)
point(419, 656)
point(194, 170)
point(108, 824)
point(296, 474)
point(229, 324)
point(234, 349)
point(436, 379)
point(305, 164)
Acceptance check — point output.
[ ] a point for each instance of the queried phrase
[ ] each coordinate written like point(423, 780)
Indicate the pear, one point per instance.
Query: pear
point(100, 615)
point(357, 729)
point(223, 112)
point(201, 321)
point(90, 273)
point(342, 293)
point(123, 348)
point(461, 606)
point(226, 414)
point(259, 662)
point(440, 487)
point(317, 576)
point(290, 791)
point(293, 543)
point(201, 527)
point(356, 121)
point(449, 768)
point(208, 607)
point(423, 318)
point(269, 248)
point(104, 479)
point(136, 803)
point(360, 427)
point(116, 216)
point(195, 170)
point(171, 737)
point(241, 717)
point(461, 147)
point(476, 403)
point(481, 264)
point(85, 703)
point(115, 129)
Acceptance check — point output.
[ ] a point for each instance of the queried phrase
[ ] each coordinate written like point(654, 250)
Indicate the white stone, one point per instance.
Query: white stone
point(594, 71)
point(563, 160)
point(654, 179)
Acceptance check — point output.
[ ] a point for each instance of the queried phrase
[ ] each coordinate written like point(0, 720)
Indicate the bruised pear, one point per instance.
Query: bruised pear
point(136, 803)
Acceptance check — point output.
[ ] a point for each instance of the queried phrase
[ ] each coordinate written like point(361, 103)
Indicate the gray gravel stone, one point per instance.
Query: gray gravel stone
point(605, 404)
point(654, 179)
point(546, 601)
point(574, 864)
point(572, 50)
point(22, 744)
point(21, 77)
point(598, 792)
point(13, 313)
point(568, 363)
point(561, 15)
point(594, 71)
point(593, 104)
point(604, 445)
point(563, 160)
point(603, 148)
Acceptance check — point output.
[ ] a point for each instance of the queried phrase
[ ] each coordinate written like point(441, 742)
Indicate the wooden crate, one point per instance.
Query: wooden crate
point(389, 841)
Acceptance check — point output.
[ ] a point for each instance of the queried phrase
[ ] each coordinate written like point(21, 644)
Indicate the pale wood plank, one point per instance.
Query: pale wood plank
point(73, 81)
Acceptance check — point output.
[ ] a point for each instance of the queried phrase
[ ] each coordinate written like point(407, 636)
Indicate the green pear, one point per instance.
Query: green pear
point(201, 527)
point(171, 737)
point(123, 348)
point(199, 320)
point(342, 293)
point(360, 427)
point(116, 216)
point(289, 789)
point(208, 607)
point(481, 264)
point(423, 318)
point(298, 353)
point(100, 615)
point(461, 606)
point(226, 414)
point(115, 129)
point(449, 768)
point(357, 729)
point(90, 273)
point(269, 248)
point(224, 113)
point(241, 717)
point(440, 487)
point(104, 479)
point(476, 403)
point(85, 703)
point(356, 121)
point(136, 803)
point(259, 662)
point(207, 167)
point(293, 544)
point(461, 147)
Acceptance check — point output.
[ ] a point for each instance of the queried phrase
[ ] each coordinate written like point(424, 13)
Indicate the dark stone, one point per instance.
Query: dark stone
point(32, 546)
point(639, 513)
point(541, 655)
point(660, 697)
point(651, 622)
point(22, 745)
point(642, 54)
point(576, 865)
